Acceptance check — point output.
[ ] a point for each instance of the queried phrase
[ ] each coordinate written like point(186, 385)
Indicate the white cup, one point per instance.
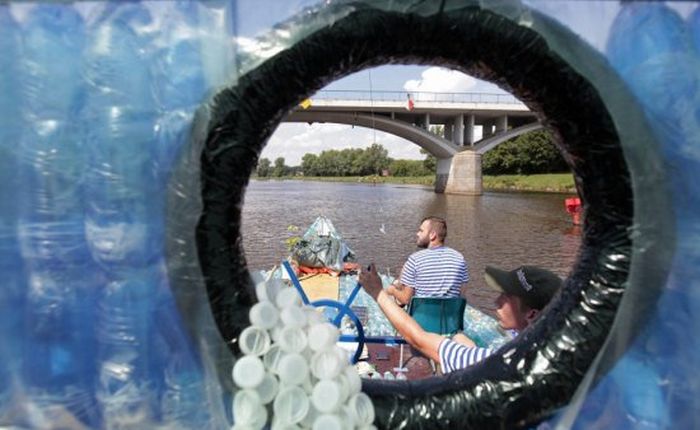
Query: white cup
point(287, 297)
point(293, 369)
point(361, 409)
point(323, 336)
point(248, 371)
point(326, 365)
point(293, 316)
point(254, 341)
point(292, 339)
point(267, 389)
point(327, 396)
point(264, 315)
point(328, 422)
point(291, 405)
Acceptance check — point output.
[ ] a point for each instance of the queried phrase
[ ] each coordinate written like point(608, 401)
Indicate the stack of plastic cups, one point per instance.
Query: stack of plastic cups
point(293, 375)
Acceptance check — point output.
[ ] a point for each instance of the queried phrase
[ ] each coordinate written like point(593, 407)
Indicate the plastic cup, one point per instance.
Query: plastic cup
point(264, 315)
point(267, 389)
point(326, 365)
point(327, 396)
point(246, 407)
point(248, 371)
point(361, 409)
point(328, 422)
point(291, 405)
point(293, 369)
point(254, 341)
point(272, 358)
point(323, 336)
point(292, 339)
point(293, 316)
point(287, 297)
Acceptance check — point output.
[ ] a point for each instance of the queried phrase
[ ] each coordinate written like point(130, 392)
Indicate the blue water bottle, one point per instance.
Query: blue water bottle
point(12, 287)
point(58, 350)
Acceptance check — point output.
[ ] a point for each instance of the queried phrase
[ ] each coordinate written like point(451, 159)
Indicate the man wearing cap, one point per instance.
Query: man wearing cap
point(524, 292)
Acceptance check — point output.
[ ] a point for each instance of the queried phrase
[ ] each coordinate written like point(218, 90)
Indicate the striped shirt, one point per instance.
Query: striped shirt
point(435, 272)
point(455, 356)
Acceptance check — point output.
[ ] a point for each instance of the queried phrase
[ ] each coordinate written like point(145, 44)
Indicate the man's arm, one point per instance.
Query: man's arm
point(426, 343)
point(402, 293)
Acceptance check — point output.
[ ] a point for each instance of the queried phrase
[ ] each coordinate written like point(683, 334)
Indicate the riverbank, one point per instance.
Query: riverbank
point(548, 183)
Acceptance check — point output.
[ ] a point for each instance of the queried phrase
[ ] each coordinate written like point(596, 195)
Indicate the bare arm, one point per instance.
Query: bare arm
point(403, 293)
point(426, 343)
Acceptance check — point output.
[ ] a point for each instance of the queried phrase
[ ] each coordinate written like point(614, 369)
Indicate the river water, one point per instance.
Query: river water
point(379, 223)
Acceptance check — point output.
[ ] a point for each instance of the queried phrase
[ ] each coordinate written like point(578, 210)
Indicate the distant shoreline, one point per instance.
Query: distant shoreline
point(544, 183)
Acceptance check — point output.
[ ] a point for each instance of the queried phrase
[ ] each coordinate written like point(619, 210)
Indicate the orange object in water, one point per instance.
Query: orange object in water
point(574, 208)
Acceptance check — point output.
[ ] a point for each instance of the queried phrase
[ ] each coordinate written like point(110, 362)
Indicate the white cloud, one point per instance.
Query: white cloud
point(292, 141)
point(441, 80)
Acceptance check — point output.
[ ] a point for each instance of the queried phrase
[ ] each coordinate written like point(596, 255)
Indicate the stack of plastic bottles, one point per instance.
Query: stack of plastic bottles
point(292, 374)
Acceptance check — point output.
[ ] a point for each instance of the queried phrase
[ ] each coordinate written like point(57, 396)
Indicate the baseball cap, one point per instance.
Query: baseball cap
point(534, 285)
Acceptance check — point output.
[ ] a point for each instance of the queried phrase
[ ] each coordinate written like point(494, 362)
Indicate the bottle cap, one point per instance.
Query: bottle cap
point(293, 316)
point(272, 358)
point(361, 409)
point(327, 422)
point(264, 315)
point(292, 339)
point(353, 379)
point(291, 405)
point(254, 341)
point(326, 365)
point(327, 396)
point(248, 371)
point(322, 336)
point(246, 407)
point(293, 369)
point(267, 291)
point(287, 297)
point(267, 389)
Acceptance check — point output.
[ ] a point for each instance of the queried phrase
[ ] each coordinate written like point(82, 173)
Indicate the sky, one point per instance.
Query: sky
point(591, 20)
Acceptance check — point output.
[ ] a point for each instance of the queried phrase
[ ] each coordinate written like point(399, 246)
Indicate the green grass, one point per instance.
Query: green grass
point(551, 182)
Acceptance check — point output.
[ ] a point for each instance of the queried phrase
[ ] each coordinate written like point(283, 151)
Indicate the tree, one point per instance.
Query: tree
point(263, 169)
point(430, 162)
point(526, 154)
point(280, 169)
point(310, 165)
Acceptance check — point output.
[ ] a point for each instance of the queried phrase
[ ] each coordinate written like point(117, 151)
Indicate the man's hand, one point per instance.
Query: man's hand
point(370, 281)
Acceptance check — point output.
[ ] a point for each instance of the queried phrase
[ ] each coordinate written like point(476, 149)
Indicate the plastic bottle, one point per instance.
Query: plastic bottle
point(11, 265)
point(125, 211)
point(59, 332)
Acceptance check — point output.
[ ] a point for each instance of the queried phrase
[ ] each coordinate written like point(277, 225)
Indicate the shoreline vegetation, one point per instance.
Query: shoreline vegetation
point(545, 183)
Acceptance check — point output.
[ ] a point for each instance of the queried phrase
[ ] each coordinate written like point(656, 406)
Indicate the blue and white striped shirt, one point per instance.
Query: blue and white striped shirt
point(455, 356)
point(435, 272)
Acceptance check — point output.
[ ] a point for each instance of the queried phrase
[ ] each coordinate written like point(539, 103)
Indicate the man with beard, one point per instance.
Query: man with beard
point(434, 271)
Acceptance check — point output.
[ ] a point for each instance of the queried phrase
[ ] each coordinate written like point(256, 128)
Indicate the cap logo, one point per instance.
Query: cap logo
point(523, 280)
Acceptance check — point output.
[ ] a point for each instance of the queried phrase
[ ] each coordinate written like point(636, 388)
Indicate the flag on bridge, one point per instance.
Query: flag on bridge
point(409, 103)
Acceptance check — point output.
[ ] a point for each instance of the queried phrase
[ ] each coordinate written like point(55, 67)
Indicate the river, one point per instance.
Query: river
point(379, 223)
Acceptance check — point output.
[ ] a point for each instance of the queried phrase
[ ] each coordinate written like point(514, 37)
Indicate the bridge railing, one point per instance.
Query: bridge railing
point(417, 96)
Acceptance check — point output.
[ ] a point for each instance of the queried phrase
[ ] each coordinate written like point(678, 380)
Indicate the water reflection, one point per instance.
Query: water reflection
point(379, 223)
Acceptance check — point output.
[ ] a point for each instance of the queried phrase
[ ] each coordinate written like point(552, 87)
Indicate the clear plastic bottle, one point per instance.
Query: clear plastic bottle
point(13, 289)
point(59, 338)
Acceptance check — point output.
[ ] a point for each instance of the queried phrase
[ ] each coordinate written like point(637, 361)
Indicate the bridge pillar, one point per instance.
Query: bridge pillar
point(469, 130)
point(458, 131)
point(442, 173)
point(465, 174)
point(501, 124)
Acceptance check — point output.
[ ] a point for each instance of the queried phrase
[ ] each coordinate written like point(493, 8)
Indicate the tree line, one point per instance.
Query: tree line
point(529, 153)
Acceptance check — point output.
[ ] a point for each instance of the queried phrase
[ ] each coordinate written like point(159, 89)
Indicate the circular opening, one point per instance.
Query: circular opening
point(540, 370)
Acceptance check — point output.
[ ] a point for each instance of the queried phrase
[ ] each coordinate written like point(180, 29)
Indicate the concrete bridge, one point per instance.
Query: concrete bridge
point(499, 116)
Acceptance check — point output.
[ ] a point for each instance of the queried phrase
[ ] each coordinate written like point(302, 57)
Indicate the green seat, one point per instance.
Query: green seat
point(443, 316)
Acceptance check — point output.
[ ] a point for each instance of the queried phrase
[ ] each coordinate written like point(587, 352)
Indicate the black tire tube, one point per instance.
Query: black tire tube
point(539, 371)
